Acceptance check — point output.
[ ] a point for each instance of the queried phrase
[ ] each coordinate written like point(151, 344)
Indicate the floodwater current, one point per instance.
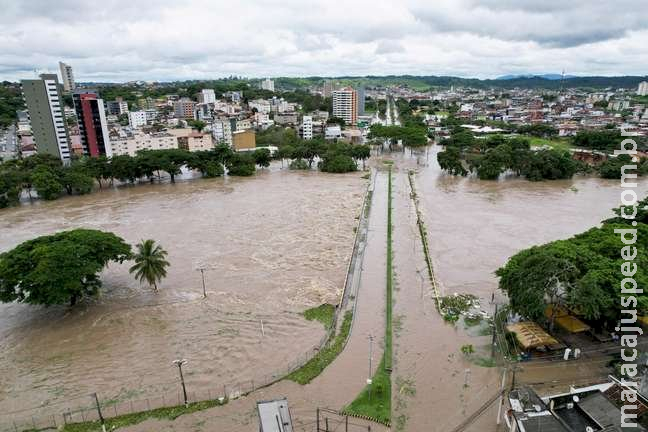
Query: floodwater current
point(272, 245)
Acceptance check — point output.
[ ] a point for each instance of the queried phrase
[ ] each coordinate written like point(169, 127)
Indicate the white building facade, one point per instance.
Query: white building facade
point(307, 127)
point(137, 119)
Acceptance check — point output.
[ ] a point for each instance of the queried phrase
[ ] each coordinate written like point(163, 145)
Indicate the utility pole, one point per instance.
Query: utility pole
point(202, 272)
point(179, 363)
point(369, 382)
point(101, 418)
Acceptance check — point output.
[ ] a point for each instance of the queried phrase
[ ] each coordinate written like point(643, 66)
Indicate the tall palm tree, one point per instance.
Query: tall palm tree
point(150, 263)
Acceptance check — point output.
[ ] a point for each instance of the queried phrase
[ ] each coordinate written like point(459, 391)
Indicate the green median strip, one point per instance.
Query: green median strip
point(325, 356)
point(374, 402)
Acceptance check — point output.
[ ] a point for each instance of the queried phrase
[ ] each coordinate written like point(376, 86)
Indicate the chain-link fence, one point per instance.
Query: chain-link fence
point(53, 416)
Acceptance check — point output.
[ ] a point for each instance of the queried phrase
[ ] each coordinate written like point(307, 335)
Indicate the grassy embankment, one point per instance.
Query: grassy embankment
point(374, 401)
point(131, 419)
point(328, 353)
point(554, 143)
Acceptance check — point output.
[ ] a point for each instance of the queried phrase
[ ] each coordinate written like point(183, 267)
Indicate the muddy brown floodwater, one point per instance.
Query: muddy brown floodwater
point(473, 227)
point(273, 245)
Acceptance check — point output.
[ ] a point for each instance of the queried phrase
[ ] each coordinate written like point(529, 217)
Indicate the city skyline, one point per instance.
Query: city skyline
point(116, 42)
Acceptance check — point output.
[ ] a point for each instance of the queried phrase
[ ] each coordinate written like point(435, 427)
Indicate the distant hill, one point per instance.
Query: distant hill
point(444, 82)
point(545, 76)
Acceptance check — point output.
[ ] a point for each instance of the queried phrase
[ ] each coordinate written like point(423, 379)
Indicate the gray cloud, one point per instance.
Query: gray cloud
point(122, 40)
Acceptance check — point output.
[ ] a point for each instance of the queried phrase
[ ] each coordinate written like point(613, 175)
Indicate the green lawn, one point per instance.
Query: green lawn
point(554, 143)
point(323, 313)
point(325, 356)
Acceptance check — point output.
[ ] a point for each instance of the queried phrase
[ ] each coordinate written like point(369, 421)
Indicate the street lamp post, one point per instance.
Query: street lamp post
point(369, 381)
point(179, 363)
point(101, 418)
point(202, 272)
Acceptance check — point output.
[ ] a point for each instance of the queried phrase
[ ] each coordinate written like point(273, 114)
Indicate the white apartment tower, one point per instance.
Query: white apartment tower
point(45, 105)
point(67, 76)
point(137, 119)
point(207, 96)
point(267, 84)
point(307, 127)
point(643, 88)
point(345, 105)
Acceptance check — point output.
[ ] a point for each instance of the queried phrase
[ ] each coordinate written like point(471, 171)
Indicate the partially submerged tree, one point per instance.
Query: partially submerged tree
point(59, 268)
point(150, 263)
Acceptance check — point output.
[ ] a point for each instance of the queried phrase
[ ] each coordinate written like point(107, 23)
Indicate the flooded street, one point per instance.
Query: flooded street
point(273, 245)
point(473, 227)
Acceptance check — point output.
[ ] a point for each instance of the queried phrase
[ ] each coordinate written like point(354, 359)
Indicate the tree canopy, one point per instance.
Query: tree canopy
point(59, 268)
point(582, 273)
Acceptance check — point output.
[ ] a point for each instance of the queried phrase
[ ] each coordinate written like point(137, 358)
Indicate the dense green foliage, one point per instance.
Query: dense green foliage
point(150, 263)
point(241, 164)
point(603, 140)
point(59, 268)
point(11, 100)
point(582, 273)
point(612, 167)
point(490, 157)
point(50, 178)
point(538, 130)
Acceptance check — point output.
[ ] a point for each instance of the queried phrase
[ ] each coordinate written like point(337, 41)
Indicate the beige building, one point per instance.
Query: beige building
point(192, 140)
point(243, 140)
point(131, 144)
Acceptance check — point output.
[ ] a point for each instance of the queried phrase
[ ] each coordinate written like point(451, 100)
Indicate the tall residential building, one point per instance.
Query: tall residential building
point(67, 76)
point(267, 84)
point(117, 107)
point(327, 91)
point(44, 104)
point(137, 119)
point(643, 88)
point(307, 127)
point(345, 105)
point(92, 123)
point(361, 99)
point(207, 96)
point(184, 108)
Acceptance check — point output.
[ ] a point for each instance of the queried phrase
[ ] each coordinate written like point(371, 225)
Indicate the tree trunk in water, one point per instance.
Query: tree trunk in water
point(73, 300)
point(172, 178)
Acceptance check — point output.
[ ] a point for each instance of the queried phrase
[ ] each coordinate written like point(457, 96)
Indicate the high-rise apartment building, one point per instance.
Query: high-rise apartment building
point(67, 77)
point(207, 96)
point(184, 108)
point(307, 127)
point(345, 105)
point(117, 107)
point(137, 119)
point(92, 123)
point(361, 99)
point(329, 86)
point(267, 84)
point(45, 106)
point(643, 88)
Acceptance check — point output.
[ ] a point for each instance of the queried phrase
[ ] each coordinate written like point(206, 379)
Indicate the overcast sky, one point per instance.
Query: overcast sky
point(122, 40)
